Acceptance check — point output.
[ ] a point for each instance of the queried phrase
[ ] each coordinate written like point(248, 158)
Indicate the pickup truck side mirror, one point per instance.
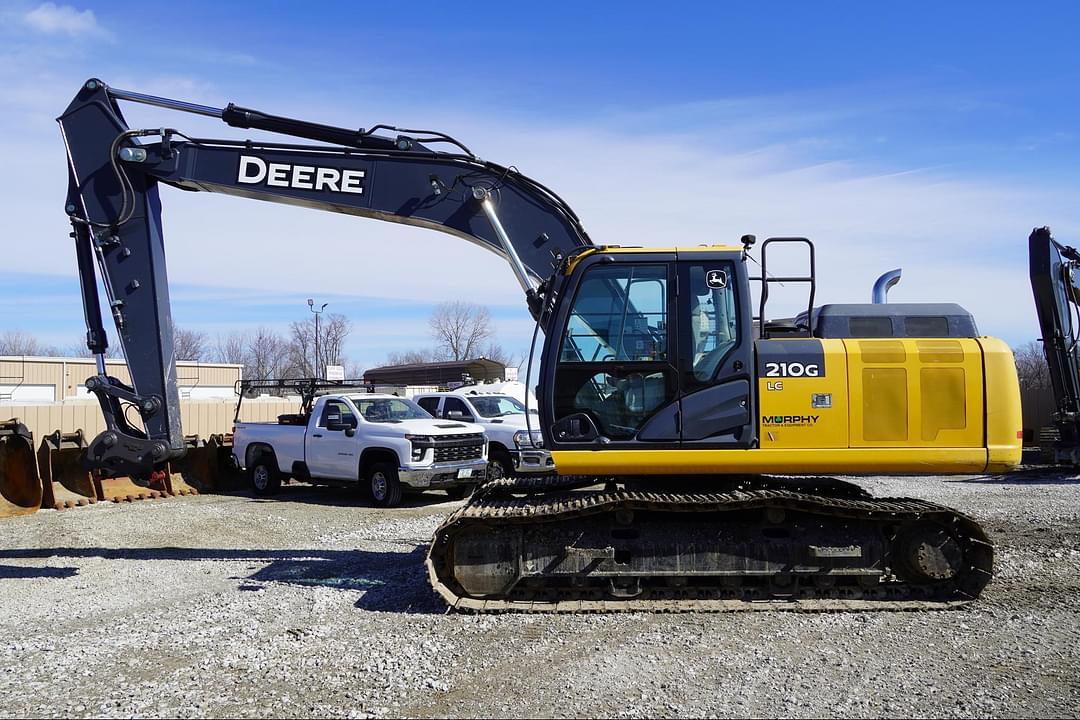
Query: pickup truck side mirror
point(455, 415)
point(339, 425)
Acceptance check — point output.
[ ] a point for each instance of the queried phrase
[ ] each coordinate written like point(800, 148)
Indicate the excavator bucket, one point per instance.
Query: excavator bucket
point(20, 486)
point(207, 466)
point(64, 481)
point(126, 489)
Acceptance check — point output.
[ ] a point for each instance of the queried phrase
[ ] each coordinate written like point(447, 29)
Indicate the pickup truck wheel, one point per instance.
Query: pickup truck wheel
point(504, 461)
point(383, 485)
point(264, 475)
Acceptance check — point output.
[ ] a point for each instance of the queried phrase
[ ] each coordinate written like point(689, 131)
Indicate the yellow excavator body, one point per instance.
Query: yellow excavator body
point(896, 405)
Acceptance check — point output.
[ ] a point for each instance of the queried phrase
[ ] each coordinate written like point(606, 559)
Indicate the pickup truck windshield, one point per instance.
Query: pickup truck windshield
point(490, 406)
point(390, 410)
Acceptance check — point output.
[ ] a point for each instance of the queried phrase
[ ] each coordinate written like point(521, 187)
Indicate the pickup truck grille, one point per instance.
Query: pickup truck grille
point(459, 447)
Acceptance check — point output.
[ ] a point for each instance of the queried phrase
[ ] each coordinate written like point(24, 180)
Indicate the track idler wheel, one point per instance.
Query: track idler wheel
point(926, 553)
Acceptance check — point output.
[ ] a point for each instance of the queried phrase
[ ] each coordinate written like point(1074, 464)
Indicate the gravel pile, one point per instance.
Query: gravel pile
point(314, 604)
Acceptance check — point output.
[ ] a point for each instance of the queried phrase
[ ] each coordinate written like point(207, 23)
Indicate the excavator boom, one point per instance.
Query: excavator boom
point(1055, 284)
point(115, 211)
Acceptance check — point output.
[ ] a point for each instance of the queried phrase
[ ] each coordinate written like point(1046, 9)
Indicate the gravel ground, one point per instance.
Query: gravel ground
point(313, 604)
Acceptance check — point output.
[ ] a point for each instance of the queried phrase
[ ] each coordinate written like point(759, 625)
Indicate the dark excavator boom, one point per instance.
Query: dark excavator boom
point(115, 211)
point(1055, 283)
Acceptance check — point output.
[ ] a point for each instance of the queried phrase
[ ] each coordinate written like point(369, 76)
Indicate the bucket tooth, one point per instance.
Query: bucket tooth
point(65, 483)
point(127, 489)
point(20, 485)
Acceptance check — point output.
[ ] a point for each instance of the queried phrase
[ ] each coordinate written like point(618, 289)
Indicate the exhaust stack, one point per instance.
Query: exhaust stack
point(882, 286)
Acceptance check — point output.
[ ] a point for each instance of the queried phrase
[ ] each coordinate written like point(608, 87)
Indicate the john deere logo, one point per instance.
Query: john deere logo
point(789, 420)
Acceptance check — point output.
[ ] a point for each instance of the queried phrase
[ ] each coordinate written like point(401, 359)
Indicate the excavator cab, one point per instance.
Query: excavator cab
point(633, 363)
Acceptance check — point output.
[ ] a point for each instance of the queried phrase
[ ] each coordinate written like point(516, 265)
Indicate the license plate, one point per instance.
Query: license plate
point(464, 473)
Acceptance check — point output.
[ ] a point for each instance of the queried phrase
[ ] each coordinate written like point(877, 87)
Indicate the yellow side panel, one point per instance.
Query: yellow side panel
point(796, 461)
point(1003, 420)
point(884, 404)
point(806, 398)
point(944, 401)
point(916, 393)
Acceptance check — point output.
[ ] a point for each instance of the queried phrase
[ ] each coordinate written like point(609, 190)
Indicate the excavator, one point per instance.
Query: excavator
point(694, 437)
point(1056, 287)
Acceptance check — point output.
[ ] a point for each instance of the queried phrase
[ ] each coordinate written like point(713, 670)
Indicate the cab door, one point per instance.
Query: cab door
point(610, 373)
point(652, 352)
point(331, 452)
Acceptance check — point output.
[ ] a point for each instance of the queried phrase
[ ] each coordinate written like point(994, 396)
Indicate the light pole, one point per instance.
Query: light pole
point(311, 307)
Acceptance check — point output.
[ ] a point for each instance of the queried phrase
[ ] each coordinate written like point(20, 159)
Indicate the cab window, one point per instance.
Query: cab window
point(614, 362)
point(713, 322)
point(430, 404)
point(452, 404)
point(619, 314)
point(337, 411)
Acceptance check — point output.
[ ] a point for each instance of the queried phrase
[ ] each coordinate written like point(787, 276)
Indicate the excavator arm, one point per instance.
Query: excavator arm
point(1055, 283)
point(115, 211)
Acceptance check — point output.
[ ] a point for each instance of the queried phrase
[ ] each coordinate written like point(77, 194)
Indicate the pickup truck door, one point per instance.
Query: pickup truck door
point(332, 454)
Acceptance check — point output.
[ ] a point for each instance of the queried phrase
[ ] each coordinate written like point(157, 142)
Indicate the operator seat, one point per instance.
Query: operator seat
point(700, 322)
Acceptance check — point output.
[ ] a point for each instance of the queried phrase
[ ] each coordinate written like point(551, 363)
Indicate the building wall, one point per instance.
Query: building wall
point(48, 394)
point(35, 379)
point(199, 417)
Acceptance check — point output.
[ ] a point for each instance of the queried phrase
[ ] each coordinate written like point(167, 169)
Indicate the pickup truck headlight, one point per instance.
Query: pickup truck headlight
point(521, 439)
point(420, 445)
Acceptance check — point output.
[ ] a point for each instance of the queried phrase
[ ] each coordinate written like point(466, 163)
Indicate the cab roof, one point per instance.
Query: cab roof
point(615, 249)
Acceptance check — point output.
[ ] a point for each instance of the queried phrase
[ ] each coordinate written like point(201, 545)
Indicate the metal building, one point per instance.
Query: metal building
point(441, 374)
point(48, 394)
point(54, 379)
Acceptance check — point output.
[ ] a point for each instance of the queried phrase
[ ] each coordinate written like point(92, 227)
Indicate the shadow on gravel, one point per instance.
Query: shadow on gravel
point(390, 581)
point(340, 497)
point(1028, 476)
point(12, 572)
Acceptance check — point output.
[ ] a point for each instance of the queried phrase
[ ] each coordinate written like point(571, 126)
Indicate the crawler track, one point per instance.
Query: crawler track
point(567, 545)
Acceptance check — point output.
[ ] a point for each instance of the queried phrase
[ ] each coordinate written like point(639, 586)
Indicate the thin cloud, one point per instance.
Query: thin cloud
point(958, 236)
point(53, 19)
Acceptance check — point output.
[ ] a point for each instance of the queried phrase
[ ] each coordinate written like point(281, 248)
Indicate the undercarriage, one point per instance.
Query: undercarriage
point(580, 544)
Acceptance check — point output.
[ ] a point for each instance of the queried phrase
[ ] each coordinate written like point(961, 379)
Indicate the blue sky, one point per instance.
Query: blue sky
point(928, 136)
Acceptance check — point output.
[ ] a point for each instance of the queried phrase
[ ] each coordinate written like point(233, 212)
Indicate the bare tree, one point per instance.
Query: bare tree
point(18, 342)
point(460, 329)
point(78, 349)
point(1031, 366)
point(231, 348)
point(410, 357)
point(334, 330)
point(189, 344)
point(267, 356)
point(501, 355)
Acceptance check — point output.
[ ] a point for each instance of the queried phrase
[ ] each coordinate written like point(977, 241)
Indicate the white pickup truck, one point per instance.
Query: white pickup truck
point(386, 442)
point(503, 418)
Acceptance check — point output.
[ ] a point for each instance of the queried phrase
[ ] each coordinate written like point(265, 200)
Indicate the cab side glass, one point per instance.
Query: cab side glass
point(430, 404)
point(614, 364)
point(713, 322)
point(456, 409)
